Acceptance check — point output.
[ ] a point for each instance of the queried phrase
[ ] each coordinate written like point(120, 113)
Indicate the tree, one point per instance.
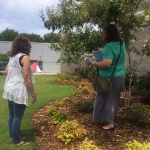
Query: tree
point(78, 45)
point(51, 37)
point(32, 37)
point(130, 16)
point(8, 35)
point(4, 57)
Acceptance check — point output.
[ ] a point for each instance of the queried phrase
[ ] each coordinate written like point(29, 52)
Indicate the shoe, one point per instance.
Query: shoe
point(21, 143)
point(109, 129)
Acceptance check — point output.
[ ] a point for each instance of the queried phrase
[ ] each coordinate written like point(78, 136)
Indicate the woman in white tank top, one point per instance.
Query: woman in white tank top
point(18, 86)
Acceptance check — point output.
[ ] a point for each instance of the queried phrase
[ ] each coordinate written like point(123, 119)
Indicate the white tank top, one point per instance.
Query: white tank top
point(15, 88)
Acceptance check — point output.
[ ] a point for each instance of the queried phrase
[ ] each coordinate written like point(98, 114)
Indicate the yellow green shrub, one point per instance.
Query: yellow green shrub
point(82, 83)
point(58, 80)
point(59, 103)
point(77, 79)
point(65, 76)
point(135, 145)
point(59, 117)
point(77, 93)
point(88, 145)
point(65, 81)
point(70, 131)
point(85, 90)
point(65, 99)
point(68, 77)
point(52, 110)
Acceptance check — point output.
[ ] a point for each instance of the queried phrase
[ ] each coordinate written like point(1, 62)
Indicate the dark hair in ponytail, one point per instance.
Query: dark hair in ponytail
point(112, 34)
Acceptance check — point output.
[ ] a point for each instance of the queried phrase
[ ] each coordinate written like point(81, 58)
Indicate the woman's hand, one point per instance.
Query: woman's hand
point(34, 99)
point(6, 70)
point(93, 62)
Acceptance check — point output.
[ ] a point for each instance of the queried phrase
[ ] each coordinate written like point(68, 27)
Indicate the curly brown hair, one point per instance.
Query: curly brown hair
point(20, 45)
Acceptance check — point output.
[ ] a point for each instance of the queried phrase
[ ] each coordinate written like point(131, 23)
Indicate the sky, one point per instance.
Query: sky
point(23, 15)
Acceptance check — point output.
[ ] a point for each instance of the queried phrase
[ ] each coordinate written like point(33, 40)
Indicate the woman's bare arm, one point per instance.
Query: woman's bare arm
point(27, 76)
point(105, 63)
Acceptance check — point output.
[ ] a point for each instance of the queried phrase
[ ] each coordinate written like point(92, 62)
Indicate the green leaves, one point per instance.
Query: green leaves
point(138, 114)
point(135, 145)
point(4, 57)
point(32, 37)
point(88, 145)
point(8, 35)
point(70, 131)
point(71, 14)
point(51, 37)
point(76, 44)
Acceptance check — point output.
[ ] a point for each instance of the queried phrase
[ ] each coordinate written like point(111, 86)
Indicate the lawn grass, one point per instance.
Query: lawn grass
point(46, 92)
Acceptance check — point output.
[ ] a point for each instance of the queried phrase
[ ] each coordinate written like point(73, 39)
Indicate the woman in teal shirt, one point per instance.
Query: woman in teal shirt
point(105, 106)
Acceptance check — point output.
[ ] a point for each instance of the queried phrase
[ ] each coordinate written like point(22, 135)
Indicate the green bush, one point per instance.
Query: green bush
point(68, 77)
point(135, 145)
point(83, 72)
point(77, 93)
point(77, 79)
point(88, 145)
point(52, 110)
point(91, 74)
point(65, 81)
point(59, 103)
point(143, 84)
point(84, 107)
point(85, 90)
point(1, 73)
point(58, 80)
point(70, 131)
point(65, 98)
point(64, 77)
point(134, 90)
point(61, 76)
point(59, 117)
point(138, 114)
point(146, 99)
point(77, 82)
point(87, 73)
point(82, 83)
point(148, 132)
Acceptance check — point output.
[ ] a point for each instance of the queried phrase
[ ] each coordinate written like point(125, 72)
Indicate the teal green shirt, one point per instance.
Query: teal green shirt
point(111, 51)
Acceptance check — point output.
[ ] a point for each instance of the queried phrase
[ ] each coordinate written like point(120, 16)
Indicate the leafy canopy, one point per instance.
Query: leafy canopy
point(80, 23)
point(124, 13)
point(10, 35)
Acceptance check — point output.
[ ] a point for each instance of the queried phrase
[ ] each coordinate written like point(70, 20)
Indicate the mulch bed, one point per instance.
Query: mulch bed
point(46, 132)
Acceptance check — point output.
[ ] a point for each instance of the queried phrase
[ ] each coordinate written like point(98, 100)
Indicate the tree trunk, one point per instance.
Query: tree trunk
point(130, 84)
point(130, 79)
point(124, 94)
point(131, 71)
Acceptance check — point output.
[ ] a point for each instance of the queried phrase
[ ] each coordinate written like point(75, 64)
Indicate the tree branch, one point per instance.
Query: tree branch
point(138, 63)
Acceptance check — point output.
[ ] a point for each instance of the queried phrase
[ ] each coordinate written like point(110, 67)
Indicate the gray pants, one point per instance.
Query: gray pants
point(105, 106)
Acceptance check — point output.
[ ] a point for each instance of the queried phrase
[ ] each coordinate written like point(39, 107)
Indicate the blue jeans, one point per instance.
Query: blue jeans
point(16, 112)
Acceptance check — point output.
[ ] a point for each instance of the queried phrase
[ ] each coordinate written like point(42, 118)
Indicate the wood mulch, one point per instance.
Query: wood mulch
point(46, 132)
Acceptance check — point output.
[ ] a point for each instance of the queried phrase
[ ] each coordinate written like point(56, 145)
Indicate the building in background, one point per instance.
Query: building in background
point(41, 53)
point(46, 58)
